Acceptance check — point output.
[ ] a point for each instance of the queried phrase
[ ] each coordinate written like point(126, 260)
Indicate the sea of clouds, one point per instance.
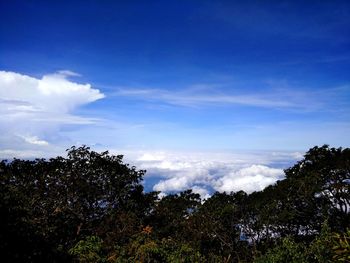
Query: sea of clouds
point(207, 172)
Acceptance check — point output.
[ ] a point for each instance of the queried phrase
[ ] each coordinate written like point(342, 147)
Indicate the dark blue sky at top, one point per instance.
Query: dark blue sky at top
point(238, 48)
point(152, 41)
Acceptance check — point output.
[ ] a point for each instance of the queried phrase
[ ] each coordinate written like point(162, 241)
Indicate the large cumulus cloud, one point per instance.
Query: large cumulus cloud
point(32, 110)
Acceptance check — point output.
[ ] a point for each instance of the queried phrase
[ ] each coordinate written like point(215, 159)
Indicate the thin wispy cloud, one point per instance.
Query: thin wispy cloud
point(276, 98)
point(191, 98)
point(68, 73)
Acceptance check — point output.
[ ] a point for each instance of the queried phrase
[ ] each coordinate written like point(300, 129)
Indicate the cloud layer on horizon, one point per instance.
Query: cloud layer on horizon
point(206, 172)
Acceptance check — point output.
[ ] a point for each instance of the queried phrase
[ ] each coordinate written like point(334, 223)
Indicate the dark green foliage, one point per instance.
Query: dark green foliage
point(172, 212)
point(217, 227)
point(326, 247)
point(287, 251)
point(321, 183)
point(90, 207)
point(341, 247)
point(51, 205)
point(88, 250)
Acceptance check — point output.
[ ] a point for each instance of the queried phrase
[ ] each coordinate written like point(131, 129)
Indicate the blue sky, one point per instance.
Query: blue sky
point(167, 81)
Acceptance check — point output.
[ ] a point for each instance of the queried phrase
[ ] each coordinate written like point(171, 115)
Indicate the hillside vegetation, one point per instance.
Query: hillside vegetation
point(91, 207)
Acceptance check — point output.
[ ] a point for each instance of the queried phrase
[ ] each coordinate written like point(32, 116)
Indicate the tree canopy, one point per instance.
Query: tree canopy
point(91, 207)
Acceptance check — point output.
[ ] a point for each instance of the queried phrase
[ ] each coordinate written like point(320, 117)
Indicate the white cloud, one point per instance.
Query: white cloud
point(149, 157)
point(249, 179)
point(172, 184)
point(53, 93)
point(191, 98)
point(35, 109)
point(35, 140)
point(205, 172)
point(203, 192)
point(280, 95)
point(68, 73)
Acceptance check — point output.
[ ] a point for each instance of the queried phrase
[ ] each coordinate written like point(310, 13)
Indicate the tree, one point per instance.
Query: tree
point(90, 207)
point(62, 200)
point(217, 227)
point(172, 213)
point(320, 183)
